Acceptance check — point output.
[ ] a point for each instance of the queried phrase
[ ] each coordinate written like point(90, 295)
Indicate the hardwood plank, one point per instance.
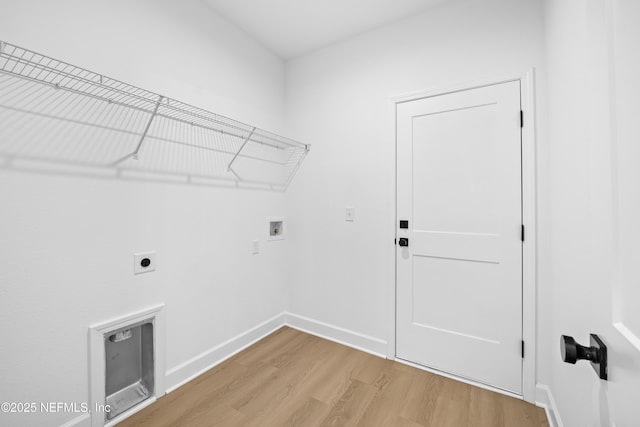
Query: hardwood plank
point(518, 412)
point(294, 379)
point(333, 356)
point(214, 414)
point(338, 379)
point(351, 406)
point(373, 369)
point(281, 385)
point(274, 345)
point(393, 387)
point(310, 414)
point(285, 403)
point(172, 408)
point(421, 399)
point(401, 422)
point(483, 408)
point(452, 404)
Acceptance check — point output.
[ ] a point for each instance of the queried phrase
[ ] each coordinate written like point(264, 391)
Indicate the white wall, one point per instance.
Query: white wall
point(338, 99)
point(581, 112)
point(67, 241)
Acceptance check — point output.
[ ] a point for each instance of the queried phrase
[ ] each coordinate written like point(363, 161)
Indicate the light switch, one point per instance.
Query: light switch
point(255, 247)
point(349, 214)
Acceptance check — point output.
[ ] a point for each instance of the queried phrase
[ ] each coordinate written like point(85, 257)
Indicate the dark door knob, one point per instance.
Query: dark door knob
point(571, 352)
point(403, 241)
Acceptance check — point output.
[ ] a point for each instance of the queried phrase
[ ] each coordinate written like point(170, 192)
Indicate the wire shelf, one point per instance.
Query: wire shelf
point(54, 111)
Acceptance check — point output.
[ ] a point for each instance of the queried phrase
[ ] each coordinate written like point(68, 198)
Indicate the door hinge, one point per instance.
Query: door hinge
point(522, 233)
point(521, 118)
point(522, 349)
point(395, 241)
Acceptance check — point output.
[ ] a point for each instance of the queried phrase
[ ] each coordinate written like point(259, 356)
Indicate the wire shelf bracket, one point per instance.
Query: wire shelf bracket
point(238, 153)
point(134, 155)
point(53, 111)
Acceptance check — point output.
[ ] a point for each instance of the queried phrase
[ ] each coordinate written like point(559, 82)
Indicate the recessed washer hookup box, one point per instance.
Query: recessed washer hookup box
point(129, 367)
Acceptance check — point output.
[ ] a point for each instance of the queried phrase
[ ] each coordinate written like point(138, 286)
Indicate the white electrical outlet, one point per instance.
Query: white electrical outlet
point(255, 247)
point(349, 214)
point(144, 262)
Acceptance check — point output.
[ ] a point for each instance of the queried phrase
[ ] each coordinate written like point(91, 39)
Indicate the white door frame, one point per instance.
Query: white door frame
point(529, 218)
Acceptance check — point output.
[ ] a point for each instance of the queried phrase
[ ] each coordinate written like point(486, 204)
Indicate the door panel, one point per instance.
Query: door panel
point(459, 282)
point(441, 308)
point(448, 181)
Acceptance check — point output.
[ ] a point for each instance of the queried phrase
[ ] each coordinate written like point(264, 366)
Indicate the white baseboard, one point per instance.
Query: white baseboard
point(340, 335)
point(201, 363)
point(544, 399)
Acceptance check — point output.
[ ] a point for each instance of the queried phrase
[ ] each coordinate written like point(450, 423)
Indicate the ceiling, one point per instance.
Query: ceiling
point(290, 28)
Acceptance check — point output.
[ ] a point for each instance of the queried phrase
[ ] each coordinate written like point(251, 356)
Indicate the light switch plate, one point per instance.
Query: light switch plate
point(144, 262)
point(349, 214)
point(255, 247)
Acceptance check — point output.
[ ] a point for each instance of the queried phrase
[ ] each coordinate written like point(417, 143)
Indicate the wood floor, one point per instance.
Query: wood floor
point(294, 379)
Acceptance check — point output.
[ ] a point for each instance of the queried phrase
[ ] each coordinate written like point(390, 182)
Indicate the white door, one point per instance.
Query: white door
point(624, 344)
point(611, 307)
point(459, 280)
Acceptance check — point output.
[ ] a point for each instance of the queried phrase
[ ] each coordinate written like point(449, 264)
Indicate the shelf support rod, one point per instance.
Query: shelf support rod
point(144, 135)
point(238, 153)
point(146, 129)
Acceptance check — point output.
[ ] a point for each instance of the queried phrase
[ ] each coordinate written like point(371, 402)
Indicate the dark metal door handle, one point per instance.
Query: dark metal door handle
point(403, 241)
point(571, 352)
